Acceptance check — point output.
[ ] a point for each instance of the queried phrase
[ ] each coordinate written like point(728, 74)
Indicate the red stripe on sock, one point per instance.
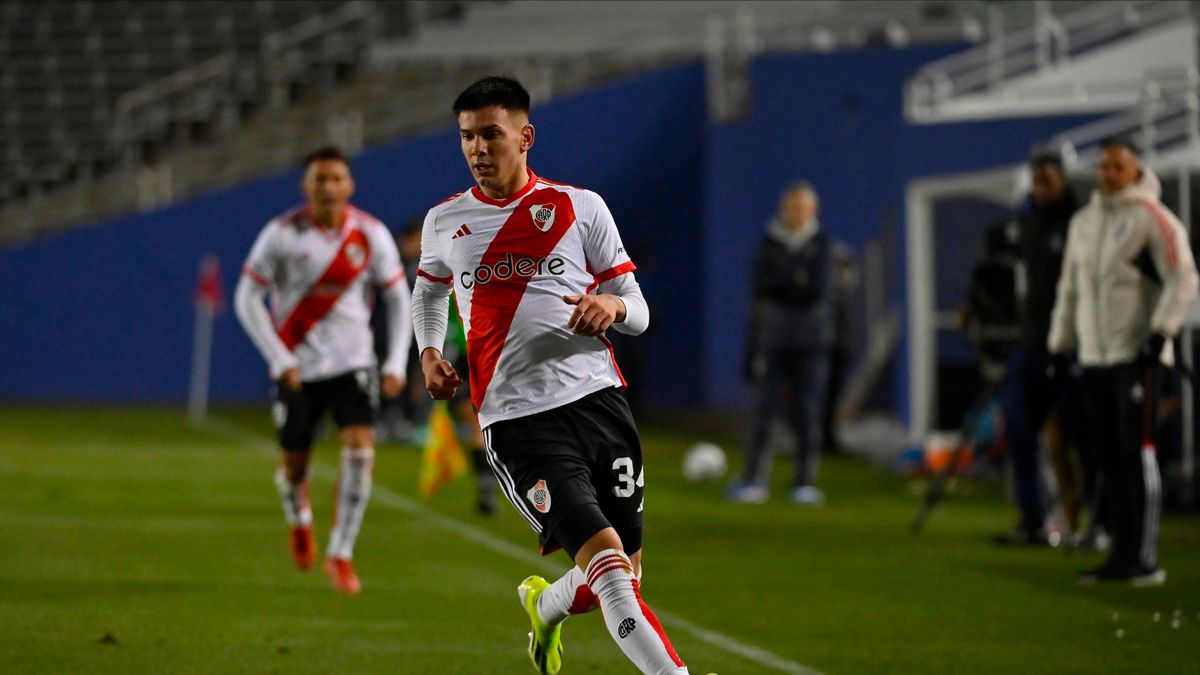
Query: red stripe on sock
point(607, 562)
point(653, 621)
point(606, 567)
point(596, 562)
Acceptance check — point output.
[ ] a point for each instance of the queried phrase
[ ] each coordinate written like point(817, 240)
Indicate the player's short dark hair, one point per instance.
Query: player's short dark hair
point(1120, 142)
point(326, 152)
point(493, 90)
point(1046, 158)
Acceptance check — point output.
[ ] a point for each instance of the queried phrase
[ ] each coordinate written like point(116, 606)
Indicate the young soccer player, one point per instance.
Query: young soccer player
point(540, 274)
point(321, 263)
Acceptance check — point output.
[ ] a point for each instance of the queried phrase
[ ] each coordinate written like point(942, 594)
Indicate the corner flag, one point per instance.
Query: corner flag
point(442, 460)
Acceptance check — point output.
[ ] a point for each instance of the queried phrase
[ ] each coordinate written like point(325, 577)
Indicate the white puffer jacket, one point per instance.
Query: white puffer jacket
point(1108, 300)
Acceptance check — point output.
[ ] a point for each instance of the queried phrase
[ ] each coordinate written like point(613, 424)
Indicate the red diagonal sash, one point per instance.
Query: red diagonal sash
point(494, 304)
point(349, 262)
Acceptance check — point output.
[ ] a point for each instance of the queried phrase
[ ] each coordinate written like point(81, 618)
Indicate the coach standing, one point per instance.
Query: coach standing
point(789, 341)
point(1127, 280)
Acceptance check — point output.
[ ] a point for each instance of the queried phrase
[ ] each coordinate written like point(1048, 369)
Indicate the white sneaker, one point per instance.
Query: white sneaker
point(747, 494)
point(807, 495)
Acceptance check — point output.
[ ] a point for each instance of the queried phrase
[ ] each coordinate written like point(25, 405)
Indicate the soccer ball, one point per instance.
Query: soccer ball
point(704, 461)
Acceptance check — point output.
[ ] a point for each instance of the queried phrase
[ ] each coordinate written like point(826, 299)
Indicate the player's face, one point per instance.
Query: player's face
point(798, 209)
point(1118, 169)
point(494, 142)
point(1048, 184)
point(328, 186)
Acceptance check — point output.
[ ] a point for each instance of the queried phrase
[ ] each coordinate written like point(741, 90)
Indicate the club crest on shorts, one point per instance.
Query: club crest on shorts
point(539, 496)
point(543, 216)
point(356, 255)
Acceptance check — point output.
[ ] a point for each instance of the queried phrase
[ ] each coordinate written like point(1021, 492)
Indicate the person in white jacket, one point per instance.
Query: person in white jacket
point(1128, 277)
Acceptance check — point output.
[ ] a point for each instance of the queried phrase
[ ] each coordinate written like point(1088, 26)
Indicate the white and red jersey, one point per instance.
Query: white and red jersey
point(322, 288)
point(510, 263)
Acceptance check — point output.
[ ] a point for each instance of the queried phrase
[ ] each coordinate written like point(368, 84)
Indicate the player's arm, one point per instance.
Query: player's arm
point(618, 302)
point(431, 314)
point(252, 313)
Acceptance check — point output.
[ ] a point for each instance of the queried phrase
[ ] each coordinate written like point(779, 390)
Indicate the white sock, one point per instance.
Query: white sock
point(353, 492)
point(569, 595)
point(632, 625)
point(296, 508)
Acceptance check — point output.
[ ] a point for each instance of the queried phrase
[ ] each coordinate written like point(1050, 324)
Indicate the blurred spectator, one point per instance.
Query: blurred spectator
point(1031, 390)
point(1127, 280)
point(845, 273)
point(788, 346)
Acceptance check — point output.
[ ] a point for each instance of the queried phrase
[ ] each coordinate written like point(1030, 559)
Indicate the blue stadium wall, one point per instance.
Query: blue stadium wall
point(104, 313)
point(837, 121)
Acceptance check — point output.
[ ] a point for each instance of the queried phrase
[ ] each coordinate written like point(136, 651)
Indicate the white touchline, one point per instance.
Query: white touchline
point(393, 499)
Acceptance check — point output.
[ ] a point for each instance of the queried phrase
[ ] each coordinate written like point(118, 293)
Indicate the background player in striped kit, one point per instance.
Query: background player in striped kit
point(523, 256)
point(321, 263)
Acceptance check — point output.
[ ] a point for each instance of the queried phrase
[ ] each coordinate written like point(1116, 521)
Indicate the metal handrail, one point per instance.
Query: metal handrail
point(274, 44)
point(218, 67)
point(1167, 114)
point(1049, 43)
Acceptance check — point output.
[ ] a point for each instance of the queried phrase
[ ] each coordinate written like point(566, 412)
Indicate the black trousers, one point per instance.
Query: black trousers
point(791, 387)
point(1122, 404)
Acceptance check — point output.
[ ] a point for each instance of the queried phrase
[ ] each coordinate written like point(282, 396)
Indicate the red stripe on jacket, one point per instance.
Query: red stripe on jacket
point(1165, 230)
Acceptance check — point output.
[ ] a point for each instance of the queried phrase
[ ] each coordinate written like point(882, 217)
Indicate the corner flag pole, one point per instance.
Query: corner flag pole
point(209, 301)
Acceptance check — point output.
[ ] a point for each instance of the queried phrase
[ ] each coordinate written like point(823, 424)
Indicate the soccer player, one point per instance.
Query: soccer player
point(540, 273)
point(321, 263)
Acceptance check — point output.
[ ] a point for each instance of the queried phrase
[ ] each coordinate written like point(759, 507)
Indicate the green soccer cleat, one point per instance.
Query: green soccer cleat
point(545, 642)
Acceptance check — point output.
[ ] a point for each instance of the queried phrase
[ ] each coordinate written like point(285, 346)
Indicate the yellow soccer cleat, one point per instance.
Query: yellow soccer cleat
point(545, 642)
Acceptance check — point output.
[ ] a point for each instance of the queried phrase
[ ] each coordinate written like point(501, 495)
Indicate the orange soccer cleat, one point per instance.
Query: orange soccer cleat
point(304, 547)
point(341, 573)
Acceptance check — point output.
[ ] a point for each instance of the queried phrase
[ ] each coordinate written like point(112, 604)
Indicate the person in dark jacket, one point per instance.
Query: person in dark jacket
point(789, 342)
point(1036, 384)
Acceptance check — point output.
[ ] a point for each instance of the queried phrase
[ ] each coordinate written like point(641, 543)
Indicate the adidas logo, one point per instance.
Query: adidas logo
point(462, 232)
point(626, 627)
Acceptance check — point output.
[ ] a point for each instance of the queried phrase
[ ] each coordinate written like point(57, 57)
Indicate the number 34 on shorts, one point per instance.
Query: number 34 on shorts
point(626, 484)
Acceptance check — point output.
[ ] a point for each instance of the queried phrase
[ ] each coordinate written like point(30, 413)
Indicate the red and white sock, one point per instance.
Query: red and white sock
point(294, 497)
point(567, 596)
point(632, 625)
point(353, 490)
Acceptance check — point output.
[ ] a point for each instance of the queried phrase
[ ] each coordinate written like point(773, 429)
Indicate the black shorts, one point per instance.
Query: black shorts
point(573, 471)
point(352, 397)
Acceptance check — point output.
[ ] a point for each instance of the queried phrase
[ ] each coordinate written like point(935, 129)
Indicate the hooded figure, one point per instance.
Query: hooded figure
point(1128, 274)
point(1127, 279)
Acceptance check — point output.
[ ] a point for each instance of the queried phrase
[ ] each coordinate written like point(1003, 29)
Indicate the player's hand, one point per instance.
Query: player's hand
point(290, 379)
point(440, 377)
point(594, 313)
point(391, 386)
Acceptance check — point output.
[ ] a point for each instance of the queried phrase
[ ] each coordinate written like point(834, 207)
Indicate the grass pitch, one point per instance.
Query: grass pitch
point(134, 543)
